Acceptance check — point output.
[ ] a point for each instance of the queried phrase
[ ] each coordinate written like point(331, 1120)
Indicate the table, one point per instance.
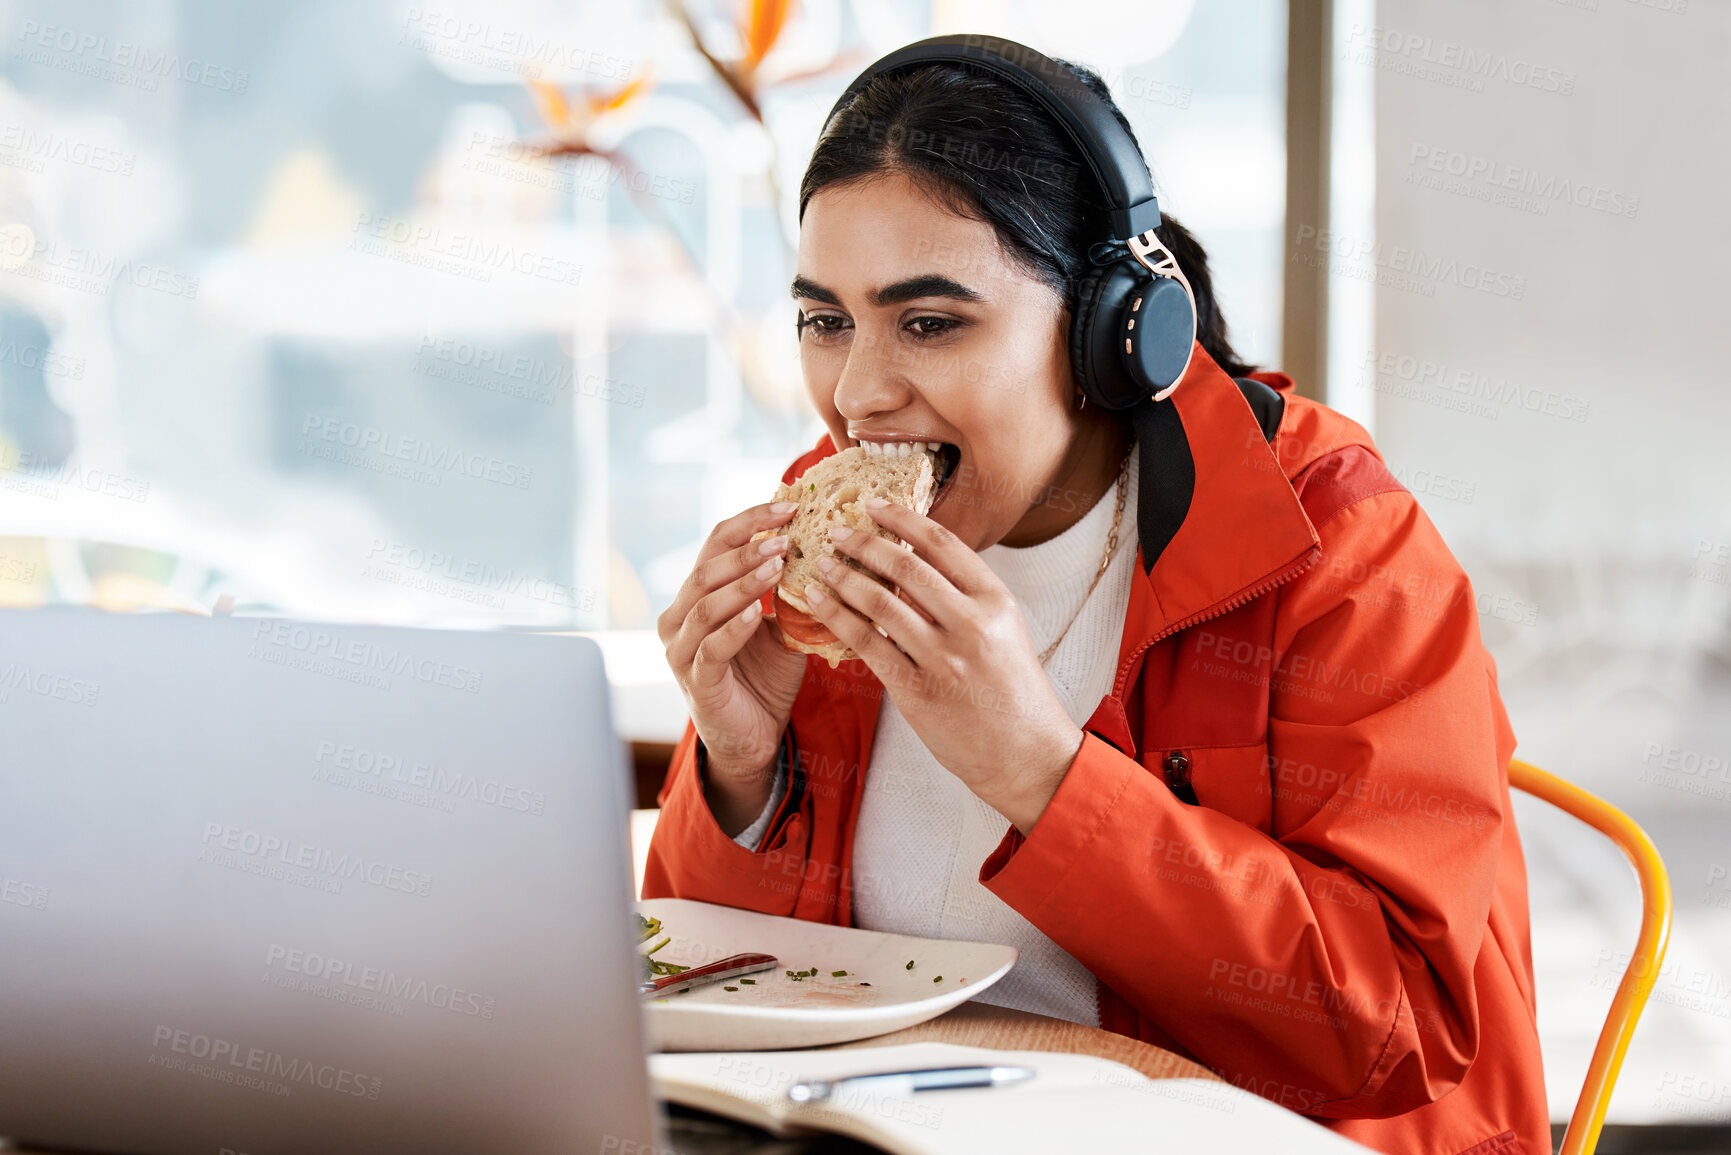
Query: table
point(976, 1024)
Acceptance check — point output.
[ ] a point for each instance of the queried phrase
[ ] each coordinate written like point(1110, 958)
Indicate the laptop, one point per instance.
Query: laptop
point(271, 886)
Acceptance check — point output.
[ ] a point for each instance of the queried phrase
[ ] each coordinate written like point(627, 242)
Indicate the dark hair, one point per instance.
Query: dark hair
point(989, 151)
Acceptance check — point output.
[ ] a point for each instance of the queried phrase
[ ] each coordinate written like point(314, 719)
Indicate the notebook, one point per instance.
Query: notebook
point(1073, 1103)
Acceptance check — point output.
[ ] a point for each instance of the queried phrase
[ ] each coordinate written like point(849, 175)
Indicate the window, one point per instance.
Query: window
point(295, 312)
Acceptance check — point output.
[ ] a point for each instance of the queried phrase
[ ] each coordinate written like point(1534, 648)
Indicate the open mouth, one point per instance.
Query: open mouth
point(946, 460)
point(948, 463)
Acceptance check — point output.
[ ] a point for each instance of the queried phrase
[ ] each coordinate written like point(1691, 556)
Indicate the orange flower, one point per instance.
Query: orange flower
point(570, 128)
point(761, 24)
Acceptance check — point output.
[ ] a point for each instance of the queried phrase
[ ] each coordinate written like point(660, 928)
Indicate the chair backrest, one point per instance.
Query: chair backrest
point(1642, 972)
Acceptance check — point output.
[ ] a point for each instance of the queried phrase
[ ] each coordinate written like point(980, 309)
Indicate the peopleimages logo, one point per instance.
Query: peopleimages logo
point(315, 648)
point(477, 255)
point(372, 766)
point(386, 447)
point(1450, 62)
point(33, 146)
point(121, 61)
point(1400, 267)
point(239, 1060)
point(60, 687)
point(17, 892)
point(254, 852)
point(335, 972)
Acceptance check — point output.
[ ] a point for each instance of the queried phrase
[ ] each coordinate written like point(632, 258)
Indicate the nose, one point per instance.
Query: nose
point(871, 382)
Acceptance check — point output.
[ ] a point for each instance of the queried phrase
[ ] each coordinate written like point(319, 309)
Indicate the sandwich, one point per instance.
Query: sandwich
point(829, 494)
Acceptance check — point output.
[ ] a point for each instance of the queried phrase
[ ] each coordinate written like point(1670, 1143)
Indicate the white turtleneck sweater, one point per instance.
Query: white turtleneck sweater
point(922, 835)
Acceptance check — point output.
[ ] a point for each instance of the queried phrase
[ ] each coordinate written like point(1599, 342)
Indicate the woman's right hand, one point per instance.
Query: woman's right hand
point(738, 681)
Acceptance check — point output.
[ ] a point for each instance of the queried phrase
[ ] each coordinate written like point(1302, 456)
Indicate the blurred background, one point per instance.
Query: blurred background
point(474, 315)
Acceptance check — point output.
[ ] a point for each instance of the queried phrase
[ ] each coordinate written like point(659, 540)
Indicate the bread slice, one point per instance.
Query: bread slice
point(829, 494)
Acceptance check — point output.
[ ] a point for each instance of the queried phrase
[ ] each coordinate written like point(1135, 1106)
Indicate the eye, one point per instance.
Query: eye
point(825, 326)
point(925, 328)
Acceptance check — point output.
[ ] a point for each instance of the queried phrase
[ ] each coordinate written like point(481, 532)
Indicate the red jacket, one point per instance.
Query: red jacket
point(1285, 848)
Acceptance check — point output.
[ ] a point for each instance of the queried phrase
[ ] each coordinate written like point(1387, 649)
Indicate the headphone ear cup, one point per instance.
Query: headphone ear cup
point(1106, 377)
point(1155, 338)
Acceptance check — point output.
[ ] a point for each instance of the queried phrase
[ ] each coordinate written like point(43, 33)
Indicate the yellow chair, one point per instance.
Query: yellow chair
point(1582, 1135)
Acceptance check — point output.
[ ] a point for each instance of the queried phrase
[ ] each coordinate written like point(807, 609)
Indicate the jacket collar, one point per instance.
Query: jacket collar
point(1226, 523)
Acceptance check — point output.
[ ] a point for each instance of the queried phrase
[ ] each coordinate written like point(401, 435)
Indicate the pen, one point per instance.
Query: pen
point(906, 1082)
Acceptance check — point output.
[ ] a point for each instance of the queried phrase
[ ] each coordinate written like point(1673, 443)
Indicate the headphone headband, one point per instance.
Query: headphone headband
point(1134, 324)
point(1111, 155)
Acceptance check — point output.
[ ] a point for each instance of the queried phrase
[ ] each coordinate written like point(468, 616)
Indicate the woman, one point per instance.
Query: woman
point(1234, 787)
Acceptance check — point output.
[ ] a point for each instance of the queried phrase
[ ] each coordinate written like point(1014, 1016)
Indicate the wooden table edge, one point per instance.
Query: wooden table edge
point(977, 1024)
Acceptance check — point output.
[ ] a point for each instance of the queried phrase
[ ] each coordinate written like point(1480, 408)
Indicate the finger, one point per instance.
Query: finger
point(709, 664)
point(712, 611)
point(959, 565)
point(921, 584)
point(737, 530)
point(891, 666)
point(716, 565)
point(879, 606)
point(715, 573)
point(907, 601)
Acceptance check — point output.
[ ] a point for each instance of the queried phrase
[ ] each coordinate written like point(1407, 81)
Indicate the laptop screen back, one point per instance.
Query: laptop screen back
point(272, 886)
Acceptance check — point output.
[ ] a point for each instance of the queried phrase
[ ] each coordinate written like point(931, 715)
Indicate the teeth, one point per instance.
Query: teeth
point(900, 448)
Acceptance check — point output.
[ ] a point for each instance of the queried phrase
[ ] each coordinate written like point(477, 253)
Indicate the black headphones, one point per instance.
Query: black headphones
point(1134, 324)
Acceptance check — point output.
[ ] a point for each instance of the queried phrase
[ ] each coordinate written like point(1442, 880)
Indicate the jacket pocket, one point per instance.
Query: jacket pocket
point(1230, 779)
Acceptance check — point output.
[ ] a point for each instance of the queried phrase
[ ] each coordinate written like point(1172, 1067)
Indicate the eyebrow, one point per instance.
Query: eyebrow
point(911, 289)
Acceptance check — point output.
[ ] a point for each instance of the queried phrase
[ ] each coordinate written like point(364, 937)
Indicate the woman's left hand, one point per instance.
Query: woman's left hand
point(965, 675)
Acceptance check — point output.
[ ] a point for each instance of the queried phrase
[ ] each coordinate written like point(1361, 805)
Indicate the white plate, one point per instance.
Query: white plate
point(777, 1012)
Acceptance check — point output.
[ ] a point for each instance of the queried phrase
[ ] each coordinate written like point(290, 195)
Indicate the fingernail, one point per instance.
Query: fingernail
point(825, 564)
point(768, 569)
point(772, 545)
point(784, 507)
point(875, 503)
point(815, 596)
point(840, 533)
point(751, 612)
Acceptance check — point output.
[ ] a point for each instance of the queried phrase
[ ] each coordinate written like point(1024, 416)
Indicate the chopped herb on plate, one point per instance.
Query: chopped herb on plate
point(648, 928)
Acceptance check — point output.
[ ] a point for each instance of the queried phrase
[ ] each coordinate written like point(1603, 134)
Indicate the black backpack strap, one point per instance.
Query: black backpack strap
point(1169, 471)
point(1266, 402)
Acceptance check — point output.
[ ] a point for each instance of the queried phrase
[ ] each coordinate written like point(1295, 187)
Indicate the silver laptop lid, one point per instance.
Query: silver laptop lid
point(273, 886)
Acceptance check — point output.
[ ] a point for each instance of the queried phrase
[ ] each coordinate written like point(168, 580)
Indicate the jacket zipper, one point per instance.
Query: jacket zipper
point(1224, 606)
point(1213, 611)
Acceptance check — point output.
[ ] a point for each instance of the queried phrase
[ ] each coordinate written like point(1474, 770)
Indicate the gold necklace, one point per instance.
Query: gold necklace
point(1105, 559)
